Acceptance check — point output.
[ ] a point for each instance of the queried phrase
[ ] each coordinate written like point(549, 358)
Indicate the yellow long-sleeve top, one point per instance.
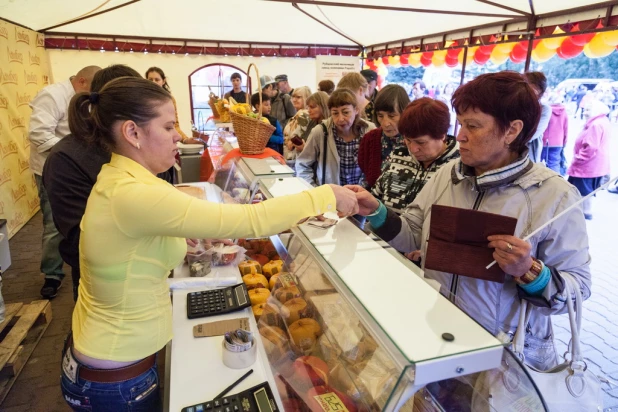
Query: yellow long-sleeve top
point(133, 233)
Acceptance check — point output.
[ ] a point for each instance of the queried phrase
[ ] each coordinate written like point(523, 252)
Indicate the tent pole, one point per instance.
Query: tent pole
point(326, 25)
point(531, 27)
point(390, 8)
point(88, 16)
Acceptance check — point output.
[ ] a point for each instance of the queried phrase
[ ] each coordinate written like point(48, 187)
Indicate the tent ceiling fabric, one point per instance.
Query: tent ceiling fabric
point(274, 21)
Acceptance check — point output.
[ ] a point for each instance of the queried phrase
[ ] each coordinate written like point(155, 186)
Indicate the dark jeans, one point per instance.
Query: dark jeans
point(51, 261)
point(277, 147)
point(134, 395)
point(552, 157)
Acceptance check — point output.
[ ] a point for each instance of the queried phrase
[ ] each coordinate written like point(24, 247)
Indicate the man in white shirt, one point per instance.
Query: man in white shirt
point(49, 123)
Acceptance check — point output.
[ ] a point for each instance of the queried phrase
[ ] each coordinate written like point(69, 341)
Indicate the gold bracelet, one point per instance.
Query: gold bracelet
point(531, 274)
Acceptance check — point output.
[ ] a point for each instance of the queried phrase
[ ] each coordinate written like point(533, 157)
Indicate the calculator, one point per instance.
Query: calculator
point(217, 301)
point(257, 399)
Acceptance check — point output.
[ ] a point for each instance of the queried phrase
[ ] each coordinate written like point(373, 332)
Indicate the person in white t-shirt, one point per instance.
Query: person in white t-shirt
point(49, 122)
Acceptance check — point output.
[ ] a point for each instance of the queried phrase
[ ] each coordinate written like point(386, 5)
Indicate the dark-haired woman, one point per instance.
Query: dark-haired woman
point(378, 144)
point(331, 151)
point(155, 74)
point(132, 235)
point(498, 113)
point(427, 147)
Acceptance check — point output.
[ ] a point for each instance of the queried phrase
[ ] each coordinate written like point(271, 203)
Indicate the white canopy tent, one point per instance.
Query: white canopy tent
point(356, 23)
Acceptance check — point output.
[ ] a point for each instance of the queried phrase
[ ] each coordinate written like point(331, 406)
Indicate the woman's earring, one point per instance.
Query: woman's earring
point(137, 146)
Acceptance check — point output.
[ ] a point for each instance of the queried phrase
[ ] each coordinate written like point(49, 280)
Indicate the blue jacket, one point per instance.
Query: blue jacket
point(277, 136)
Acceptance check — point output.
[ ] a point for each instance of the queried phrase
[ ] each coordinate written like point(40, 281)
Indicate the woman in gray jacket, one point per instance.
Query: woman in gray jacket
point(499, 113)
point(331, 151)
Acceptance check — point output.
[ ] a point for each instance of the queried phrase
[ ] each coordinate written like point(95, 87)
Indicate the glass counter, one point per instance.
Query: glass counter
point(349, 324)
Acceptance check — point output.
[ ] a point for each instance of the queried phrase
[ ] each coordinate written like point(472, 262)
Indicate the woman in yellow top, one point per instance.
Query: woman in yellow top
point(133, 233)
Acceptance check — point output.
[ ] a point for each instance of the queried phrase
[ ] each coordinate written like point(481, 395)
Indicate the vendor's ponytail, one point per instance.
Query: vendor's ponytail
point(92, 116)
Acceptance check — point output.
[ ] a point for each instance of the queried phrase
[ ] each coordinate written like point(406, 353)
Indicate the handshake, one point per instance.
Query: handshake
point(353, 200)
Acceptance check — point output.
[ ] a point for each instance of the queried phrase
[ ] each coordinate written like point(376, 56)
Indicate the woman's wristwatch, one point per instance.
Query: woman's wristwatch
point(531, 274)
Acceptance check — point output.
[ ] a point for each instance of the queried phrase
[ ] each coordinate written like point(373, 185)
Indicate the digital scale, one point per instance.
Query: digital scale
point(257, 399)
point(217, 301)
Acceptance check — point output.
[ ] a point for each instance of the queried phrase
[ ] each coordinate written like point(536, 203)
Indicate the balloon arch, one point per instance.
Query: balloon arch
point(564, 45)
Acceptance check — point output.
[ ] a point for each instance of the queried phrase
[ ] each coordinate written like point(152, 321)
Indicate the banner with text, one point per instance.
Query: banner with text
point(335, 67)
point(24, 71)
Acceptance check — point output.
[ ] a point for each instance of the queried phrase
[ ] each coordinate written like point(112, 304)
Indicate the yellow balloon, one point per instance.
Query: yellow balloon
point(553, 43)
point(598, 48)
point(394, 61)
point(440, 53)
point(471, 51)
point(498, 58)
point(415, 58)
point(539, 58)
point(436, 61)
point(543, 53)
point(503, 48)
point(610, 37)
point(366, 67)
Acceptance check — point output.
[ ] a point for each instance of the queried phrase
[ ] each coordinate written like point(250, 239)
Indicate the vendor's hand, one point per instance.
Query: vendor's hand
point(367, 204)
point(512, 254)
point(193, 242)
point(346, 201)
point(289, 145)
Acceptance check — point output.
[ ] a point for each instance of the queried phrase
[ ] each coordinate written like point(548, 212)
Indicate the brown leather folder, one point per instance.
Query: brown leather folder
point(458, 242)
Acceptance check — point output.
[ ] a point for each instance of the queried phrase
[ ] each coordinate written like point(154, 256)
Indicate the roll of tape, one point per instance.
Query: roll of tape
point(239, 360)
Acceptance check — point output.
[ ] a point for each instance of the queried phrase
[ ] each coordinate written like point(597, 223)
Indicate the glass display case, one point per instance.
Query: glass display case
point(347, 323)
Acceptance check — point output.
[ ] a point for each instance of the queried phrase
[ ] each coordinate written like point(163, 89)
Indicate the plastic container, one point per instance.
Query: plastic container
point(239, 360)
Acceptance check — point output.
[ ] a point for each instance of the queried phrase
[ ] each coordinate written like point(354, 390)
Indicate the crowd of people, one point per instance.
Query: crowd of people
point(106, 148)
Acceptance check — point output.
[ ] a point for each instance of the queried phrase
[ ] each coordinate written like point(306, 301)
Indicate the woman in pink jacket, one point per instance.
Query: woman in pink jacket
point(591, 153)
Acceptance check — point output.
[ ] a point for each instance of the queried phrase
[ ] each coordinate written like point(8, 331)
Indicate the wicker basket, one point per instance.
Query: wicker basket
point(213, 107)
point(252, 133)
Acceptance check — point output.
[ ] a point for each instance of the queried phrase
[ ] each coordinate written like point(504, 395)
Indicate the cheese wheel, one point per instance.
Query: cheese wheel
point(294, 309)
point(258, 295)
point(287, 293)
point(304, 333)
point(272, 268)
point(249, 267)
point(254, 281)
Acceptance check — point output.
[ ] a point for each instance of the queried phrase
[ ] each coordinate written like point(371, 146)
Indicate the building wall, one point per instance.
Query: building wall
point(178, 68)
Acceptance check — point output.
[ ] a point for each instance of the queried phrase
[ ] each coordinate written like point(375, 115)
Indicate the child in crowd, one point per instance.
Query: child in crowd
point(276, 140)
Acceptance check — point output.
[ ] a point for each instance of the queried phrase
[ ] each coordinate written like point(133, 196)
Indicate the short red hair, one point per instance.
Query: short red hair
point(506, 96)
point(425, 117)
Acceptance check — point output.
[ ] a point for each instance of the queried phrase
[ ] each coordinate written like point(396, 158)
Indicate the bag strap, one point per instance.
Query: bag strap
point(571, 288)
point(325, 148)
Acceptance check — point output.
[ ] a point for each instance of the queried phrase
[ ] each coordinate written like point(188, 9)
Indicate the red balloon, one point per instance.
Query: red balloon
point(385, 60)
point(485, 49)
point(519, 53)
point(425, 61)
point(560, 53)
point(568, 49)
point(517, 58)
point(451, 61)
point(453, 53)
point(403, 59)
point(480, 58)
point(427, 55)
point(582, 39)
